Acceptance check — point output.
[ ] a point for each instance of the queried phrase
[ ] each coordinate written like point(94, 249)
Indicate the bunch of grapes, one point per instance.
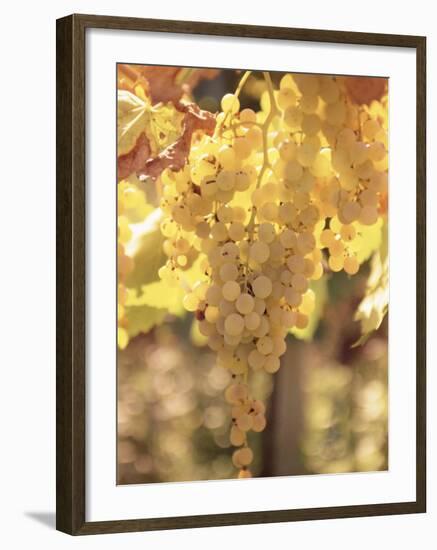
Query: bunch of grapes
point(265, 206)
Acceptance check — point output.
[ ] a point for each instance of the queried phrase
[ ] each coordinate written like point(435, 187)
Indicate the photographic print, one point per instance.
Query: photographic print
point(252, 274)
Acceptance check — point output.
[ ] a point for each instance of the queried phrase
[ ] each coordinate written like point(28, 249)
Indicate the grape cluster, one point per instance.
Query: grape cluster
point(266, 205)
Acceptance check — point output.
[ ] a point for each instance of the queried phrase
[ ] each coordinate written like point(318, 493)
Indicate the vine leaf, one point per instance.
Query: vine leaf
point(133, 118)
point(142, 318)
point(143, 130)
point(374, 306)
point(175, 155)
point(159, 295)
point(146, 251)
point(367, 241)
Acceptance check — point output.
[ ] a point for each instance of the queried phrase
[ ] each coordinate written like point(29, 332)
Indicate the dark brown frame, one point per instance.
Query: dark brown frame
point(70, 299)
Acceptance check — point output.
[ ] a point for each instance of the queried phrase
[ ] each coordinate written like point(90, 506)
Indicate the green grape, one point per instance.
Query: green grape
point(230, 103)
point(231, 291)
point(256, 203)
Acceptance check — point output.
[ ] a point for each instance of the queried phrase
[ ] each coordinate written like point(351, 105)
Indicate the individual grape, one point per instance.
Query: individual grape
point(265, 345)
point(252, 320)
point(226, 157)
point(213, 295)
point(286, 98)
point(302, 320)
point(293, 171)
point(279, 346)
point(351, 265)
point(266, 232)
point(293, 117)
point(236, 393)
point(242, 181)
point(358, 152)
point(242, 148)
point(202, 230)
point(259, 423)
point(307, 84)
point(370, 129)
point(219, 232)
point(368, 198)
point(248, 115)
point(329, 90)
point(242, 457)
point(321, 167)
point(237, 437)
point(336, 248)
point(260, 252)
point(256, 359)
point(262, 287)
point(311, 124)
point(230, 103)
point(327, 237)
point(293, 297)
point(288, 150)
point(296, 264)
point(299, 282)
point(234, 324)
point(191, 302)
point(228, 272)
point(288, 318)
point(368, 215)
point(245, 304)
point(226, 180)
point(336, 263)
point(268, 211)
point(231, 291)
point(350, 212)
point(254, 137)
point(272, 364)
point(309, 103)
point(348, 232)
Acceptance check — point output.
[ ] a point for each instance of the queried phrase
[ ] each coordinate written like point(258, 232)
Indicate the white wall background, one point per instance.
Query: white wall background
point(27, 272)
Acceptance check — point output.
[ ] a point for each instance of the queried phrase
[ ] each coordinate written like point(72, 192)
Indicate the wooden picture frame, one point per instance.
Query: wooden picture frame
point(71, 284)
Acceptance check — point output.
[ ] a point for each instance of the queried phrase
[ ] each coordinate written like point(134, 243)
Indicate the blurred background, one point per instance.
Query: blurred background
point(327, 405)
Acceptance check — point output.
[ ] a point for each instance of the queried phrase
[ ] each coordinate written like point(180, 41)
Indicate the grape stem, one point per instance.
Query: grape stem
point(265, 133)
point(236, 94)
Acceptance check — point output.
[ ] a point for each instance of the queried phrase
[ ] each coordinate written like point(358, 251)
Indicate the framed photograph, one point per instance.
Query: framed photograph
point(240, 274)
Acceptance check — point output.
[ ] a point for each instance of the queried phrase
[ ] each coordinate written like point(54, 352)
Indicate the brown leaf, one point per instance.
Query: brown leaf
point(135, 159)
point(161, 83)
point(363, 90)
point(175, 155)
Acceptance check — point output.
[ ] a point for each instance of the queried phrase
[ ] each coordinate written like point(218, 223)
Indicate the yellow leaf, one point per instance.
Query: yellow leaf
point(367, 241)
point(141, 319)
point(374, 306)
point(159, 295)
point(133, 118)
point(162, 124)
point(145, 248)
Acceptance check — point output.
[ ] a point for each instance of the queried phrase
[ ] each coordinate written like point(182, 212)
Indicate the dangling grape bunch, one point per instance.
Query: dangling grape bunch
point(267, 204)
